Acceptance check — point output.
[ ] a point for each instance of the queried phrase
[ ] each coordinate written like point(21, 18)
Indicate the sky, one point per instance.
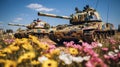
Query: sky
point(25, 11)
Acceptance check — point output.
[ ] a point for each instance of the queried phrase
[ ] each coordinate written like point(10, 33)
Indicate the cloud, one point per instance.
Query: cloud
point(0, 22)
point(39, 7)
point(17, 19)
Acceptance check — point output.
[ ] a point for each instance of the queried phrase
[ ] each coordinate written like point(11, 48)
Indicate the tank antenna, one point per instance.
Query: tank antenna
point(97, 2)
point(108, 12)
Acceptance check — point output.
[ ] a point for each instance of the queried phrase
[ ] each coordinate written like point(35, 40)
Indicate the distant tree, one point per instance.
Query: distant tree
point(9, 31)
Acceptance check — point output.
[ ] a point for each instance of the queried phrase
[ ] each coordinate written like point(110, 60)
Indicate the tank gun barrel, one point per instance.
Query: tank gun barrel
point(17, 25)
point(53, 15)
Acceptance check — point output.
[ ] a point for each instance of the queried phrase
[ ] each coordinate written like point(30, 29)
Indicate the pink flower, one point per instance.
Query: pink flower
point(50, 50)
point(69, 44)
point(9, 41)
point(106, 57)
point(52, 46)
point(105, 49)
point(93, 54)
point(94, 62)
point(75, 46)
point(65, 43)
point(118, 54)
point(112, 41)
point(79, 47)
point(94, 44)
point(115, 58)
point(87, 45)
point(89, 64)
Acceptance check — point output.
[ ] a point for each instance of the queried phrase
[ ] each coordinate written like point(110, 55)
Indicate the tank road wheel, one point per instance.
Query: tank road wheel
point(105, 35)
point(21, 35)
point(97, 35)
point(100, 34)
point(17, 35)
point(39, 35)
point(88, 36)
point(53, 38)
point(111, 33)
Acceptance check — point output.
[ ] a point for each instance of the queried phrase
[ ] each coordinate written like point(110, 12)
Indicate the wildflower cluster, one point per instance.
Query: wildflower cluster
point(33, 52)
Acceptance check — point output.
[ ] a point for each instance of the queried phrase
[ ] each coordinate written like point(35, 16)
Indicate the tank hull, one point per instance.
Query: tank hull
point(94, 31)
point(36, 32)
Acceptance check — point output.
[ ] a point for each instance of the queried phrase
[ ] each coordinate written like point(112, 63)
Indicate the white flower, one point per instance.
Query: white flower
point(119, 46)
point(111, 53)
point(42, 59)
point(116, 50)
point(86, 58)
point(115, 54)
point(66, 58)
point(99, 44)
point(77, 59)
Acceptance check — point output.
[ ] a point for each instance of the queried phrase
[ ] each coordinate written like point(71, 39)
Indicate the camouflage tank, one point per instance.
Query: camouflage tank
point(37, 27)
point(85, 25)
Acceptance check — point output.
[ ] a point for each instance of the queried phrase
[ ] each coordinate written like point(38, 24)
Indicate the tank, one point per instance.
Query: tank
point(85, 25)
point(37, 27)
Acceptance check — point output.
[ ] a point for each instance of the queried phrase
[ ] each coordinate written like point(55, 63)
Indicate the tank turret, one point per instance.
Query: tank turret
point(37, 27)
point(36, 24)
point(87, 15)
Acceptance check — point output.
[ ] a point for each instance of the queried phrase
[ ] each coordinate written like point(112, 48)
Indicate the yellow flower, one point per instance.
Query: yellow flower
point(13, 48)
point(34, 62)
point(73, 51)
point(7, 50)
point(36, 41)
point(28, 55)
point(1, 46)
point(27, 46)
point(33, 37)
point(24, 40)
point(48, 55)
point(17, 41)
point(55, 51)
point(2, 61)
point(13, 44)
point(2, 55)
point(49, 63)
point(10, 63)
point(44, 46)
point(21, 41)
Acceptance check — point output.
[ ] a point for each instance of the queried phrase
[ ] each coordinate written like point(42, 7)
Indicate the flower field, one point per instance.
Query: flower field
point(32, 52)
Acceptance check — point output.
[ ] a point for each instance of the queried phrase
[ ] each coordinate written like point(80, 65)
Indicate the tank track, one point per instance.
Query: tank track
point(26, 35)
point(60, 37)
point(21, 35)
